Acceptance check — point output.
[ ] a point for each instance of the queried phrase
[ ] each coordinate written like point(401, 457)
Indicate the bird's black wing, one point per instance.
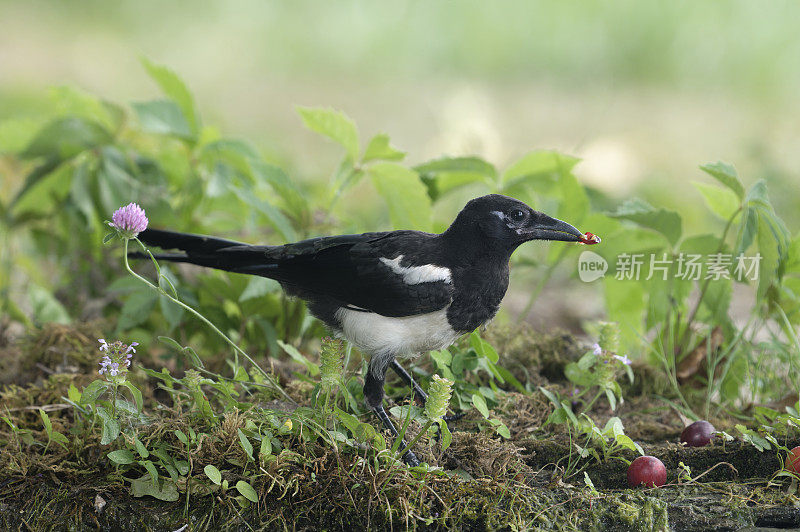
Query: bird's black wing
point(344, 269)
point(349, 269)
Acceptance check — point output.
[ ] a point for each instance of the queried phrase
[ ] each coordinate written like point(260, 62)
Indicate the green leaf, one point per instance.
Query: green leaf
point(121, 456)
point(74, 102)
point(449, 173)
point(172, 312)
point(265, 449)
point(136, 309)
point(175, 89)
point(503, 431)
point(748, 227)
point(273, 215)
point(81, 195)
point(333, 124)
point(721, 201)
point(46, 308)
point(350, 421)
point(447, 437)
point(540, 165)
point(769, 249)
point(73, 394)
point(483, 348)
point(17, 133)
point(297, 356)
point(668, 223)
point(480, 404)
point(140, 448)
point(258, 287)
point(246, 445)
point(725, 174)
point(213, 474)
point(181, 436)
point(247, 491)
point(48, 425)
point(110, 430)
point(65, 138)
point(379, 149)
point(137, 395)
point(296, 199)
point(167, 490)
point(148, 465)
point(163, 117)
point(93, 391)
point(406, 196)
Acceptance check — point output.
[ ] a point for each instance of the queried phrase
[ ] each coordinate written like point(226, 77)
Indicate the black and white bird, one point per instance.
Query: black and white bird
point(392, 294)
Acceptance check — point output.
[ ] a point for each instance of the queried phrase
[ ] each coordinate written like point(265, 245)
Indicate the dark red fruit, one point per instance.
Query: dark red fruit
point(698, 434)
point(793, 461)
point(589, 238)
point(647, 470)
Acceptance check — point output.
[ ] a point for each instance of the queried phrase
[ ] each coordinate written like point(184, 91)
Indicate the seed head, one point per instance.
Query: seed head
point(609, 336)
point(439, 394)
point(331, 362)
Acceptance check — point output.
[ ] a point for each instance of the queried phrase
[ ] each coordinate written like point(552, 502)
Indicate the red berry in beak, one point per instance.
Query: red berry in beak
point(590, 239)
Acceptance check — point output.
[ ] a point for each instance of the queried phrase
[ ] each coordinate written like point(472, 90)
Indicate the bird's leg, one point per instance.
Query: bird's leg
point(373, 393)
point(421, 396)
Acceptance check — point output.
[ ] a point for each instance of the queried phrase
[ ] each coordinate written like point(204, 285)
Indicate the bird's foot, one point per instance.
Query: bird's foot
point(454, 417)
point(410, 459)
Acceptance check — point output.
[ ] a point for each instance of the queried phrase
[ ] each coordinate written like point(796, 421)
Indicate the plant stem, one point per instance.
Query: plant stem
point(685, 338)
point(540, 285)
point(419, 435)
point(114, 400)
point(202, 318)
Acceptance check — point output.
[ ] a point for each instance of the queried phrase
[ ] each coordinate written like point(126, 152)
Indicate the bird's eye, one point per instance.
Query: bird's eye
point(516, 215)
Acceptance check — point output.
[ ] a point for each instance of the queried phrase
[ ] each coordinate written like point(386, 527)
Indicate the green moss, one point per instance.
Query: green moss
point(483, 482)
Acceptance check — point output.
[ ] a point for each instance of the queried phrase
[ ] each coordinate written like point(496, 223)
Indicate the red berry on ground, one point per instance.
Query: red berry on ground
point(698, 434)
point(793, 461)
point(648, 471)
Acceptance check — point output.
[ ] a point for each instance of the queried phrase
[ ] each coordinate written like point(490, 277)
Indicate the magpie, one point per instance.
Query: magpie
point(395, 293)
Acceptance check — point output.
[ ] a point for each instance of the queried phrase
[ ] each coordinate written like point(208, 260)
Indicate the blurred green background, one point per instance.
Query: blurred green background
point(643, 92)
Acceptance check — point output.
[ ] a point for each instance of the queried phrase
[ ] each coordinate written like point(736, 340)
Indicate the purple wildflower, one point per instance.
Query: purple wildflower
point(117, 360)
point(624, 359)
point(129, 220)
point(597, 349)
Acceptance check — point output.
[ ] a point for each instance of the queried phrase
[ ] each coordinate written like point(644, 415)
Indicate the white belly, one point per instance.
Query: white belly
point(376, 334)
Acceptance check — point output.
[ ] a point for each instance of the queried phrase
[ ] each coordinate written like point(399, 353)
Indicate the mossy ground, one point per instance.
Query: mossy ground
point(483, 482)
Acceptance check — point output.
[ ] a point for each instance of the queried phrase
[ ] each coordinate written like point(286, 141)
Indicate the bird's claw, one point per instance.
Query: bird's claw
point(454, 417)
point(410, 459)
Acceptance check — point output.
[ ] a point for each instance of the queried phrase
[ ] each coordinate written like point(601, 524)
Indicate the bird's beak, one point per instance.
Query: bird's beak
point(547, 228)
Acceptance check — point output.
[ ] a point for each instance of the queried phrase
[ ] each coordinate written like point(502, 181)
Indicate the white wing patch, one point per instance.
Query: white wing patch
point(418, 274)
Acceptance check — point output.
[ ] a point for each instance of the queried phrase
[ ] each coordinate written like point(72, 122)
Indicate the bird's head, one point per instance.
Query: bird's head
point(503, 223)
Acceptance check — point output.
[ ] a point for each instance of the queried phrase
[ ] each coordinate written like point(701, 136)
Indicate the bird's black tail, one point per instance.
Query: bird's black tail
point(209, 251)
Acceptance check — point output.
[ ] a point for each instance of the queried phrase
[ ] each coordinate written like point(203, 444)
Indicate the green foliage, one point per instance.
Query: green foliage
point(52, 435)
point(91, 157)
point(684, 311)
point(604, 444)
